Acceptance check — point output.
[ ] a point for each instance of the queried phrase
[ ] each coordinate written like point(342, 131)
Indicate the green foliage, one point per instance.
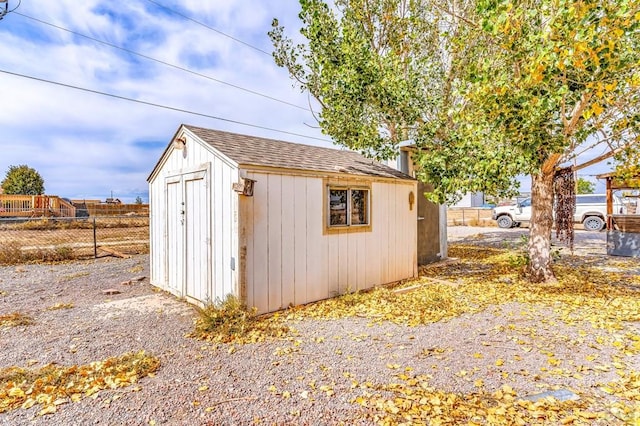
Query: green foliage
point(585, 186)
point(370, 64)
point(487, 89)
point(22, 180)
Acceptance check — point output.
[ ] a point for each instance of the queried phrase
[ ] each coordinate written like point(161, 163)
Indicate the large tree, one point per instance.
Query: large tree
point(552, 79)
point(488, 89)
point(24, 180)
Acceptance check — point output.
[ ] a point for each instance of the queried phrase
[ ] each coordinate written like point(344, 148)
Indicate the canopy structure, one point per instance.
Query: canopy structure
point(623, 227)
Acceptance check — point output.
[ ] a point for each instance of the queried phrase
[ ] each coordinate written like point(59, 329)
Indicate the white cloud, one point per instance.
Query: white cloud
point(86, 145)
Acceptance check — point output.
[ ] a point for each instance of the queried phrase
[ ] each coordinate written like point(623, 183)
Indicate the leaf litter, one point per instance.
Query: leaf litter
point(596, 302)
point(594, 353)
point(52, 385)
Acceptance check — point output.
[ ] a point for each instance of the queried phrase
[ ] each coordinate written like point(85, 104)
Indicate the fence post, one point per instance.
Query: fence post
point(95, 241)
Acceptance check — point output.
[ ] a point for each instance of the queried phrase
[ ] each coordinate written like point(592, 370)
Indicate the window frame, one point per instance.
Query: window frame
point(348, 226)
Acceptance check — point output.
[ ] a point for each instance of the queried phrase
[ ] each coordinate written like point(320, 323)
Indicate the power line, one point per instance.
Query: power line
point(111, 95)
point(178, 67)
point(209, 27)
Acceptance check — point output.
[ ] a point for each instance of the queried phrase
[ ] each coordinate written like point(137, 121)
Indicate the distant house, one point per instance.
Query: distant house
point(471, 200)
point(276, 223)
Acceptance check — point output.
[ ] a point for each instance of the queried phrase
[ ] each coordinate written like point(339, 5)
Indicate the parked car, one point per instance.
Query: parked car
point(591, 211)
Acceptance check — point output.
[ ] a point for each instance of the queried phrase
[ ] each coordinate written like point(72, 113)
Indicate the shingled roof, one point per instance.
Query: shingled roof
point(255, 151)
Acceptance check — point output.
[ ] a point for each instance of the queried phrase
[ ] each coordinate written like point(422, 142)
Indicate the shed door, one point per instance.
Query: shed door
point(174, 236)
point(188, 241)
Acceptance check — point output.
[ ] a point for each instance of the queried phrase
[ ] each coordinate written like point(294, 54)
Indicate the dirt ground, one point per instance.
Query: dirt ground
point(327, 371)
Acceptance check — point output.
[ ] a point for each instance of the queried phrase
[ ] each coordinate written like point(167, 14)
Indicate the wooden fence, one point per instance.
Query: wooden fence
point(35, 206)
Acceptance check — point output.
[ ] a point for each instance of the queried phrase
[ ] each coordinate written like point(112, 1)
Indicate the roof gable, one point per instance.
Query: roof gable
point(256, 151)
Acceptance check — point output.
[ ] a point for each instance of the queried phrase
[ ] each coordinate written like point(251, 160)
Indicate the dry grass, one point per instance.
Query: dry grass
point(231, 321)
point(12, 253)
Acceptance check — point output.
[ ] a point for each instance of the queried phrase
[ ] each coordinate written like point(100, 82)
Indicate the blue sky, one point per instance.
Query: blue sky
point(85, 145)
point(89, 146)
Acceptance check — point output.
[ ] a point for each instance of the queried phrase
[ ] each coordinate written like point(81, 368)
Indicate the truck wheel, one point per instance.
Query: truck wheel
point(505, 221)
point(593, 223)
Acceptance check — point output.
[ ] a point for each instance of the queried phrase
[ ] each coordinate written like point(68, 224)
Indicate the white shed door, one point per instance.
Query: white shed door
point(188, 242)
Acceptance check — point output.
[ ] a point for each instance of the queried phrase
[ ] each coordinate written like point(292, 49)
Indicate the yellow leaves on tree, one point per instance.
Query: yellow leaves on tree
point(53, 385)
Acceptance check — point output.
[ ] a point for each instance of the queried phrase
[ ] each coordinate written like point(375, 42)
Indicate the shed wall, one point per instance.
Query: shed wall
point(214, 231)
point(290, 260)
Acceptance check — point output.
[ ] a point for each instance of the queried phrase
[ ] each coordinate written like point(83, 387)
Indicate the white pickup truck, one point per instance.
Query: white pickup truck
point(591, 211)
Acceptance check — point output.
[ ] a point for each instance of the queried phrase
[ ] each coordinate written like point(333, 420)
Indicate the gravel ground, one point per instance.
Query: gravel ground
point(203, 383)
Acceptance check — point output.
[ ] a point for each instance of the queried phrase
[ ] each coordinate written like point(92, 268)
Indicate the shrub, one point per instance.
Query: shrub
point(230, 320)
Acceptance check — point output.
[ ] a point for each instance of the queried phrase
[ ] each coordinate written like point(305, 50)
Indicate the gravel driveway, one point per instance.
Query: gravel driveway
point(312, 377)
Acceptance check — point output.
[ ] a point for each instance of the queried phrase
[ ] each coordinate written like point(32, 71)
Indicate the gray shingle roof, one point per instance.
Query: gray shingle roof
point(256, 151)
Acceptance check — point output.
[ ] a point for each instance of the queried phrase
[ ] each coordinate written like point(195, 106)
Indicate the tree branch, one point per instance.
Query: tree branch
point(577, 113)
point(600, 158)
point(453, 14)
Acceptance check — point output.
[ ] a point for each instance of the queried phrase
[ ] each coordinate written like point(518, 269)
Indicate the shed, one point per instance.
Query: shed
point(275, 223)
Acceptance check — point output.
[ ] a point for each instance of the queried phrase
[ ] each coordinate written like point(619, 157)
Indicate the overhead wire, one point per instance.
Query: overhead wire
point(209, 27)
point(167, 107)
point(178, 67)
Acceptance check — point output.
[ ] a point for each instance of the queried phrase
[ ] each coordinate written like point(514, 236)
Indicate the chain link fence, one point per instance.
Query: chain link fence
point(55, 238)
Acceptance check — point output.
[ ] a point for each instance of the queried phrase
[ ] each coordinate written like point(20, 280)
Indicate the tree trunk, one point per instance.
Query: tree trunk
point(540, 228)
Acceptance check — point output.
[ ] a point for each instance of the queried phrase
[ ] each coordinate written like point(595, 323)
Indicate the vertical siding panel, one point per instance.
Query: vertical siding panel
point(317, 278)
point(247, 220)
point(398, 226)
point(343, 263)
point(393, 234)
point(289, 196)
point(275, 242)
point(218, 231)
point(383, 213)
point(228, 225)
point(333, 264)
point(352, 265)
point(260, 282)
point(236, 235)
point(362, 262)
point(300, 240)
point(373, 240)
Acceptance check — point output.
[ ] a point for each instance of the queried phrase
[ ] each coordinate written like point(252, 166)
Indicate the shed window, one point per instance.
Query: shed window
point(348, 207)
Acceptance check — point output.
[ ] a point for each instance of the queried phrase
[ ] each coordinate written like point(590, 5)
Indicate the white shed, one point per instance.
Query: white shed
point(276, 223)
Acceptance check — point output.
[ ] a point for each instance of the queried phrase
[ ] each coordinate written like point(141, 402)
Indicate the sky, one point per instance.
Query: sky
point(90, 146)
point(186, 55)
